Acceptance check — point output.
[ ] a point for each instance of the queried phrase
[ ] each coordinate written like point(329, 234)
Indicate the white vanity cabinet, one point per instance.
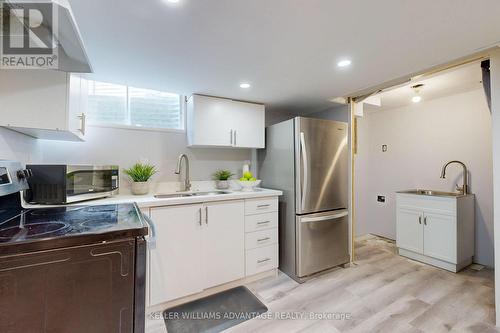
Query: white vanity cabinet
point(220, 122)
point(197, 246)
point(44, 104)
point(438, 230)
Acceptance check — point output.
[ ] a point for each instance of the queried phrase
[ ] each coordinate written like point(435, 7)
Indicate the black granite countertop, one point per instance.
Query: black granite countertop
point(50, 228)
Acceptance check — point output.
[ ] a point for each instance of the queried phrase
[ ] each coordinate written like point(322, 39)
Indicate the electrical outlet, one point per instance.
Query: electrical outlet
point(381, 198)
point(384, 148)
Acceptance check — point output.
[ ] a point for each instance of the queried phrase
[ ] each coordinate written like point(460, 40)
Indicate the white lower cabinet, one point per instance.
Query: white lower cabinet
point(436, 230)
point(174, 269)
point(440, 236)
point(261, 259)
point(223, 243)
point(261, 237)
point(197, 247)
point(409, 231)
point(204, 245)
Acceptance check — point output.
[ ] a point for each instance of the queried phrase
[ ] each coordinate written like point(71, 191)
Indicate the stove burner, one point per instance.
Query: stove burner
point(52, 211)
point(95, 224)
point(32, 230)
point(100, 209)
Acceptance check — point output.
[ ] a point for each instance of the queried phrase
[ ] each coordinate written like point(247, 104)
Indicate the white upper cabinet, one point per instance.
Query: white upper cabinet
point(43, 104)
point(249, 125)
point(219, 122)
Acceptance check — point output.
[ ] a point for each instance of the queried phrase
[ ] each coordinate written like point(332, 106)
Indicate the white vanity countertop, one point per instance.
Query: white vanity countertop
point(149, 200)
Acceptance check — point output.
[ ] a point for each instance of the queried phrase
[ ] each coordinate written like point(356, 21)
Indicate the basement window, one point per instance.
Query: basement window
point(113, 105)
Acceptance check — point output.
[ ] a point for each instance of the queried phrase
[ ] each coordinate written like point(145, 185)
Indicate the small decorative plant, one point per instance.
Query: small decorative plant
point(222, 177)
point(140, 173)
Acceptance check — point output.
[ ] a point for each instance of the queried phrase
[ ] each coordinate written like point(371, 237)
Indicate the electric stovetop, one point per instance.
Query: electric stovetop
point(50, 228)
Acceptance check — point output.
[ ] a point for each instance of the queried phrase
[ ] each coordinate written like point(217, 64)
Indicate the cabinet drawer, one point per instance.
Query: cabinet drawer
point(261, 259)
point(439, 205)
point(261, 222)
point(258, 206)
point(261, 238)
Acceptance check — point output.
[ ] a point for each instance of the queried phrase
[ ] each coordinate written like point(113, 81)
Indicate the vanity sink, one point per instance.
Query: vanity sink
point(432, 193)
point(188, 194)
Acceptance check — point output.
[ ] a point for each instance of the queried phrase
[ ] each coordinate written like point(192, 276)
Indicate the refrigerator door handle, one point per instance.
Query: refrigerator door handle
point(324, 218)
point(304, 184)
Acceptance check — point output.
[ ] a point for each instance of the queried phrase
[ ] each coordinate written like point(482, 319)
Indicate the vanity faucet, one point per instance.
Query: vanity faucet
point(464, 189)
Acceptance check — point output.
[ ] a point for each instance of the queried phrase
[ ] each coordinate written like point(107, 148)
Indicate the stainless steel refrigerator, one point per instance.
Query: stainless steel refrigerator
point(308, 160)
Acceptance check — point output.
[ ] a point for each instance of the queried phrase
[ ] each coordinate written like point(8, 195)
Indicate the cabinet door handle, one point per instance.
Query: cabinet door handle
point(263, 260)
point(231, 137)
point(235, 137)
point(206, 214)
point(200, 217)
point(425, 220)
point(83, 118)
point(420, 220)
point(263, 239)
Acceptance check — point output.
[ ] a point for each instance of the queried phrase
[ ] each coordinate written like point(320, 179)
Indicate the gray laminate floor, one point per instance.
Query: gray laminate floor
point(383, 292)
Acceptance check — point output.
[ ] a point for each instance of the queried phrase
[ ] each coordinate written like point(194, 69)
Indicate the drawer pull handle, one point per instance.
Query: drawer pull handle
point(263, 239)
point(263, 206)
point(263, 222)
point(263, 260)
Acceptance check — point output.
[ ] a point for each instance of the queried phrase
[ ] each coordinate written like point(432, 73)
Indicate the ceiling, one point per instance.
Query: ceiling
point(286, 49)
point(450, 82)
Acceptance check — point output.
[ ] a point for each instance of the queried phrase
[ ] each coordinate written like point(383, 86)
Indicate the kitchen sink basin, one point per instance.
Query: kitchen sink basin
point(189, 194)
point(433, 193)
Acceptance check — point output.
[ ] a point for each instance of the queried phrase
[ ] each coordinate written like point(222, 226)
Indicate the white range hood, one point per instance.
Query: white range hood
point(71, 54)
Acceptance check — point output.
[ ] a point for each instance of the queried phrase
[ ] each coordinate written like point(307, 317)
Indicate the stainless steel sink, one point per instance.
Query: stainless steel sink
point(188, 194)
point(433, 193)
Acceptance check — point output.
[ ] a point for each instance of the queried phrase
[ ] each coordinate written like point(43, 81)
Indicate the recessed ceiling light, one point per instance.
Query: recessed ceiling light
point(416, 99)
point(173, 1)
point(344, 63)
point(245, 85)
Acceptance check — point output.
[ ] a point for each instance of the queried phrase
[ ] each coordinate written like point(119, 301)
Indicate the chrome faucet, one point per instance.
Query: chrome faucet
point(187, 182)
point(464, 189)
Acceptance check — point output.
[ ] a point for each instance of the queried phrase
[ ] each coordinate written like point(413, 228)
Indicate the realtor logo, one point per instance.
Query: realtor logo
point(27, 35)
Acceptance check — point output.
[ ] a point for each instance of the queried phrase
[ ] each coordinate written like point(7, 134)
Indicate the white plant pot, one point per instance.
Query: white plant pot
point(222, 184)
point(140, 188)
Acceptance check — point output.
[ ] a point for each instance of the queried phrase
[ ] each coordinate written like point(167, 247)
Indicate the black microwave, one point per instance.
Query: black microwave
point(62, 184)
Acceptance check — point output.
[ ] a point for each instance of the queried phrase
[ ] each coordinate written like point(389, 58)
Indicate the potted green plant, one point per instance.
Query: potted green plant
point(221, 177)
point(139, 174)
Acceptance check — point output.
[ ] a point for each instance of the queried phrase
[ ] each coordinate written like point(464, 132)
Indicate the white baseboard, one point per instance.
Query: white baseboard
point(435, 262)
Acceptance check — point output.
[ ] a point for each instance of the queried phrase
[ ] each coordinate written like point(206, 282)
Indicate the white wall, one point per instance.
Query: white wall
point(495, 109)
point(18, 147)
point(338, 113)
point(421, 138)
point(124, 147)
point(274, 117)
